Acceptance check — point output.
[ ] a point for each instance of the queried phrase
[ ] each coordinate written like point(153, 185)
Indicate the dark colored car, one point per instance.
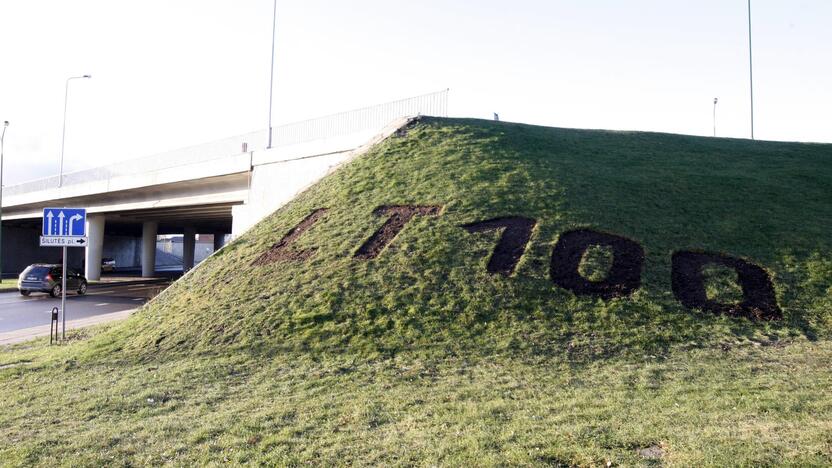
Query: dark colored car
point(47, 278)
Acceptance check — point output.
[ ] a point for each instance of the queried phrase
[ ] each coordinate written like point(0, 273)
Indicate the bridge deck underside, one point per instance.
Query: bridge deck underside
point(204, 219)
point(194, 198)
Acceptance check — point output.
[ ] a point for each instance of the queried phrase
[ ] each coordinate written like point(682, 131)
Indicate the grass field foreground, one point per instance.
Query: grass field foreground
point(330, 351)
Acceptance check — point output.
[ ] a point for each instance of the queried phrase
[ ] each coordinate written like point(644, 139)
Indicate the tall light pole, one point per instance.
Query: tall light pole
point(63, 135)
point(750, 69)
point(271, 75)
point(716, 100)
point(2, 146)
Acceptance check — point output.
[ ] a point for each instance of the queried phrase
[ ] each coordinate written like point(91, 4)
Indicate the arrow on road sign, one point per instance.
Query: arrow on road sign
point(61, 223)
point(49, 218)
point(72, 220)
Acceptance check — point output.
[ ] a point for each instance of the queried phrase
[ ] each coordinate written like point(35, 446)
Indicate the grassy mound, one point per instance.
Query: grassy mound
point(431, 288)
point(347, 328)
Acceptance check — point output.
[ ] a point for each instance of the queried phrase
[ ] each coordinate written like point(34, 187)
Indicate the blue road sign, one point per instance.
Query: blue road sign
point(68, 222)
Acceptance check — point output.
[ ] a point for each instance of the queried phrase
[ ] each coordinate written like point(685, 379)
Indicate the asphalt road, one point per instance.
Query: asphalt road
point(18, 312)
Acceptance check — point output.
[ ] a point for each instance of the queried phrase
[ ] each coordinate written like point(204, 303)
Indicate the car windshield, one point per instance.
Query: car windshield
point(37, 271)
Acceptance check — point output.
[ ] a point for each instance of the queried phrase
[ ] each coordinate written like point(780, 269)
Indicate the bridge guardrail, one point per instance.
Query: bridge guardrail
point(330, 126)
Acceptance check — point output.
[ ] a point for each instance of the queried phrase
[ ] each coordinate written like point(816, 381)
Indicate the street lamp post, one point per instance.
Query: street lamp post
point(750, 70)
point(2, 147)
point(63, 135)
point(271, 74)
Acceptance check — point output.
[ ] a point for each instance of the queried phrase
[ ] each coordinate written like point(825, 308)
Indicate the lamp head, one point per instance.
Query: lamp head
point(87, 76)
point(5, 123)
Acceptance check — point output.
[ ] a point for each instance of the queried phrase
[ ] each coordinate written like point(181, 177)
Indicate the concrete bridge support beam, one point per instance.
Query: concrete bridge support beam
point(149, 231)
point(219, 240)
point(95, 247)
point(188, 247)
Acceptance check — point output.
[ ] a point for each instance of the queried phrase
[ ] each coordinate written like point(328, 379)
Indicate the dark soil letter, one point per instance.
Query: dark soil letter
point(281, 250)
point(399, 216)
point(624, 276)
point(516, 234)
point(688, 283)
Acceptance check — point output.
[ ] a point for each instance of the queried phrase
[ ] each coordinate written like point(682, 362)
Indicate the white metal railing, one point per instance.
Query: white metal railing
point(330, 126)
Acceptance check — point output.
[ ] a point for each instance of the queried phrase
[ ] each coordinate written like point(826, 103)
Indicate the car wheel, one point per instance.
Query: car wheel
point(56, 291)
point(83, 288)
point(23, 292)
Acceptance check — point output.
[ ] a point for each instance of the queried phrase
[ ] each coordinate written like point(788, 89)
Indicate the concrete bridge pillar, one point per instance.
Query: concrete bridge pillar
point(149, 231)
point(188, 248)
point(219, 239)
point(95, 247)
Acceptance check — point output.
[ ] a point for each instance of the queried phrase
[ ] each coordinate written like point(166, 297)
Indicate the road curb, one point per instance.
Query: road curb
point(26, 334)
point(108, 285)
point(125, 283)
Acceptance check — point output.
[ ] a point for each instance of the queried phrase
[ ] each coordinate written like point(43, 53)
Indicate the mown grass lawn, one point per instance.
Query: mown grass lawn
point(745, 403)
point(421, 356)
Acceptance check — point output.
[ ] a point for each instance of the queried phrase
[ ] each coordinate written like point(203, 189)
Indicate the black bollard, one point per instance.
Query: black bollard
point(53, 325)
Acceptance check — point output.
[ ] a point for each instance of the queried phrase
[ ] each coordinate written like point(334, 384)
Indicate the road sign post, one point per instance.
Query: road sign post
point(63, 296)
point(64, 227)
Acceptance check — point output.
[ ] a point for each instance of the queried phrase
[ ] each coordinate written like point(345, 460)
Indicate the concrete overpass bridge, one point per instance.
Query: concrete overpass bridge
point(221, 189)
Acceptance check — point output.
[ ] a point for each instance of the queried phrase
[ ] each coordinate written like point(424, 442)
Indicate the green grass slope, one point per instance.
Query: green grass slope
point(766, 202)
point(420, 355)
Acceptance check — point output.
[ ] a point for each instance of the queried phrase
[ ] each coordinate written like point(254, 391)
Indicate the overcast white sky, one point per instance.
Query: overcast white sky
point(173, 73)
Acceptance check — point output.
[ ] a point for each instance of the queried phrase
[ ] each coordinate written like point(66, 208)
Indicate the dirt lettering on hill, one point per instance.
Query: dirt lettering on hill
point(282, 251)
point(624, 276)
point(688, 284)
point(517, 231)
point(399, 215)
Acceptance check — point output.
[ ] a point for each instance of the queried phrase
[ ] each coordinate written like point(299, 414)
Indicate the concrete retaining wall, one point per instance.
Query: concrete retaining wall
point(280, 174)
point(21, 248)
point(125, 250)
